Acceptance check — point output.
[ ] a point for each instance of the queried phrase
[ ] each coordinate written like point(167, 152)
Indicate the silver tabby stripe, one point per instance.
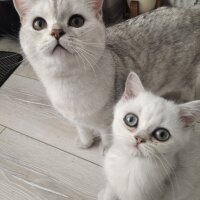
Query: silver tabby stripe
point(184, 3)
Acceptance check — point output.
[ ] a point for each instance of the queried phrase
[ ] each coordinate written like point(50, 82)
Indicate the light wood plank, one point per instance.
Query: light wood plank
point(25, 108)
point(26, 70)
point(35, 171)
point(7, 44)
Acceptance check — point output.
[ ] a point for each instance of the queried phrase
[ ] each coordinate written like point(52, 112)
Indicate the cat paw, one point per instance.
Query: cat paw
point(103, 149)
point(83, 145)
point(107, 194)
point(100, 195)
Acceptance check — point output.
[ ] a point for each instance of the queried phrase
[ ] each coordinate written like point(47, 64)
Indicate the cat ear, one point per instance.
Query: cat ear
point(22, 6)
point(133, 86)
point(190, 113)
point(97, 5)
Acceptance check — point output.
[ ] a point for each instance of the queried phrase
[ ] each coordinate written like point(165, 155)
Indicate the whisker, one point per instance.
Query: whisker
point(168, 169)
point(89, 62)
point(80, 56)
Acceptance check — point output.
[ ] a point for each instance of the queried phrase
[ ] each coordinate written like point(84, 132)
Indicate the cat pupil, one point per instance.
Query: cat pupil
point(76, 21)
point(162, 134)
point(40, 23)
point(131, 119)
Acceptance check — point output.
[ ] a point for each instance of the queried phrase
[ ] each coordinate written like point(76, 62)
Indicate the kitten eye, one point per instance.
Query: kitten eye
point(161, 134)
point(39, 24)
point(131, 120)
point(76, 21)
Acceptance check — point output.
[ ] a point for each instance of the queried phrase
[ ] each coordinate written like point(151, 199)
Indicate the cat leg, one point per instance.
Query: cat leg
point(85, 137)
point(106, 139)
point(107, 194)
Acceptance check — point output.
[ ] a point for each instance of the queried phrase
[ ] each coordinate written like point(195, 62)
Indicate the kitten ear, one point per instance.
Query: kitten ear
point(133, 86)
point(97, 5)
point(22, 6)
point(190, 113)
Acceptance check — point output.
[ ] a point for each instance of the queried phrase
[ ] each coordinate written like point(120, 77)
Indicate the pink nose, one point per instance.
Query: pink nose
point(139, 140)
point(57, 33)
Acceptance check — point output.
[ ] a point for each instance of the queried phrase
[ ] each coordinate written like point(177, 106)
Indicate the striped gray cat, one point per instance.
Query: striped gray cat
point(183, 3)
point(83, 65)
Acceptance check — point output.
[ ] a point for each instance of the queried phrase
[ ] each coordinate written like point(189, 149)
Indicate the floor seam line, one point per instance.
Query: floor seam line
point(4, 128)
point(26, 77)
point(52, 146)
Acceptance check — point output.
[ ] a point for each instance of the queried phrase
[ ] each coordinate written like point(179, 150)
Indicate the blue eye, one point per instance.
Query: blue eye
point(161, 134)
point(131, 120)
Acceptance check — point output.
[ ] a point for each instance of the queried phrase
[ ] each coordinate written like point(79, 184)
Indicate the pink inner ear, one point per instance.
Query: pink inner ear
point(98, 5)
point(187, 120)
point(21, 7)
point(128, 94)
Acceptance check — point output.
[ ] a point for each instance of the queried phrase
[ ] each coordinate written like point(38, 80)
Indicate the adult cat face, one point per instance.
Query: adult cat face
point(62, 31)
point(149, 125)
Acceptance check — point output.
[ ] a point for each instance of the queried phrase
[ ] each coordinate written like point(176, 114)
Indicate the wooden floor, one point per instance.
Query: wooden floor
point(38, 157)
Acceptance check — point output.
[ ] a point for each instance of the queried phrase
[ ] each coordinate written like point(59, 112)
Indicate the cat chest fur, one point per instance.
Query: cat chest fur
point(134, 178)
point(81, 98)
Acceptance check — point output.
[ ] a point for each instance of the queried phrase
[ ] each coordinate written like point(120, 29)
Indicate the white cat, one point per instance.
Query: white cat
point(61, 56)
point(155, 153)
point(84, 66)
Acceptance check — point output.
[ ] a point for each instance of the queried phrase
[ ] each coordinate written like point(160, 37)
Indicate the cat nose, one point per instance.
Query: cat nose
point(139, 140)
point(57, 33)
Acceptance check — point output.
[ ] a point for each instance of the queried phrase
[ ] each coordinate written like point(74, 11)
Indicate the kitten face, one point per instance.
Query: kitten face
point(153, 114)
point(149, 125)
point(82, 31)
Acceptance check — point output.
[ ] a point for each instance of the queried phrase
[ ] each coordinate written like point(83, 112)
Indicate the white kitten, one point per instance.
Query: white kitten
point(155, 153)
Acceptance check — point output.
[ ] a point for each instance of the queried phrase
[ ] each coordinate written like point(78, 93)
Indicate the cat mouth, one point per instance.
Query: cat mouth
point(58, 47)
point(138, 151)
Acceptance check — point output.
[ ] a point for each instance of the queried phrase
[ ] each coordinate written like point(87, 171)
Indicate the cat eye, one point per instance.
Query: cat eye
point(161, 134)
point(131, 120)
point(76, 21)
point(39, 24)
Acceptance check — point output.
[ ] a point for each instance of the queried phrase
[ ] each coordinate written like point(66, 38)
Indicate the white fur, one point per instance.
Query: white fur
point(70, 78)
point(155, 170)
